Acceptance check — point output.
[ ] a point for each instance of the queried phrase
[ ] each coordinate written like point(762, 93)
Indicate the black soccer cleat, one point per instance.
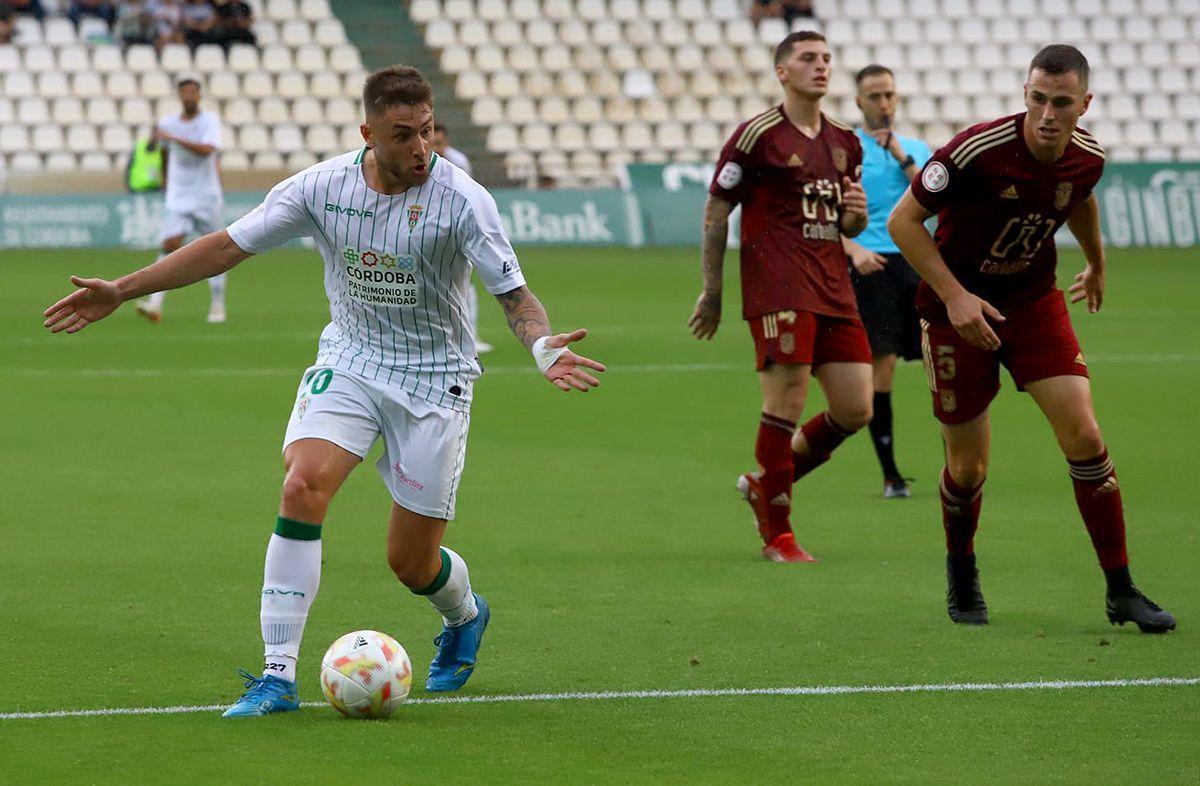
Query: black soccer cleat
point(964, 598)
point(1140, 610)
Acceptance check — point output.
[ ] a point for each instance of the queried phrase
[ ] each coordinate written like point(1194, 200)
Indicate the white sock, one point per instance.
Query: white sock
point(216, 287)
point(450, 593)
point(290, 579)
point(473, 310)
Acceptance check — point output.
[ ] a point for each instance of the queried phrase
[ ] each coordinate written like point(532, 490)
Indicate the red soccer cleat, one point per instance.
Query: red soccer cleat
point(784, 548)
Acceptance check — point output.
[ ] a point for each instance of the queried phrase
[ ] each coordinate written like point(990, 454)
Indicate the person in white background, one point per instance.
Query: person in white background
point(194, 199)
point(442, 146)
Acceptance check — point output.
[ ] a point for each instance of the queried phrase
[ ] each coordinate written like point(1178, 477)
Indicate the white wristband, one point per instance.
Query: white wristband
point(545, 358)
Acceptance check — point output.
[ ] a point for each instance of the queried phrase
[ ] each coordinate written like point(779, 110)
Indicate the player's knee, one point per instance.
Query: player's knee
point(969, 471)
point(413, 571)
point(854, 417)
point(303, 493)
point(1084, 442)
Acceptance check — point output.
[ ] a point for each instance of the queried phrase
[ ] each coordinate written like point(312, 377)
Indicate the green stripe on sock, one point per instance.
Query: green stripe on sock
point(442, 577)
point(296, 530)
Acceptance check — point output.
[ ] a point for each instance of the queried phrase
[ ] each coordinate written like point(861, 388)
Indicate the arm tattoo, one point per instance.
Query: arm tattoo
point(712, 246)
point(526, 315)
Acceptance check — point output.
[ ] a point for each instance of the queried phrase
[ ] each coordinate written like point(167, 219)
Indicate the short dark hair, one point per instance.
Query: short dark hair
point(395, 85)
point(1061, 59)
point(872, 70)
point(785, 46)
point(187, 80)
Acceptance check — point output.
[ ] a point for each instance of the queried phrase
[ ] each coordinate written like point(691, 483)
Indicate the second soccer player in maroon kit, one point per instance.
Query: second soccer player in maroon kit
point(796, 173)
point(988, 298)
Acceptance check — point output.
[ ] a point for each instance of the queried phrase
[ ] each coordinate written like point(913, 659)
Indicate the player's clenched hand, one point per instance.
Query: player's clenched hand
point(969, 315)
point(865, 261)
point(1088, 284)
point(569, 370)
point(854, 199)
point(707, 316)
point(95, 300)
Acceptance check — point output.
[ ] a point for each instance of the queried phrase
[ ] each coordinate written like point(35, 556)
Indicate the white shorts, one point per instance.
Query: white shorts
point(424, 446)
point(197, 221)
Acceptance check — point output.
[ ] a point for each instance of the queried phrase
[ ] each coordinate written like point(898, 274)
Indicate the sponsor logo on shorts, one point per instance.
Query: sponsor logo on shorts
point(935, 177)
point(302, 407)
point(412, 483)
point(787, 343)
point(949, 401)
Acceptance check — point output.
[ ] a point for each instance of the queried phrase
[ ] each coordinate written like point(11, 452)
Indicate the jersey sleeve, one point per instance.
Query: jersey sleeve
point(482, 240)
point(212, 132)
point(281, 217)
point(731, 178)
point(940, 179)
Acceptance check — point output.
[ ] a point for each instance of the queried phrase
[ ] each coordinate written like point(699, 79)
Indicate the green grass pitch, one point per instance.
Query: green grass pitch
point(141, 470)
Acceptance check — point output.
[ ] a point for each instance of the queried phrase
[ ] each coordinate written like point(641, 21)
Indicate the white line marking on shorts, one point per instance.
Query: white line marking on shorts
point(697, 693)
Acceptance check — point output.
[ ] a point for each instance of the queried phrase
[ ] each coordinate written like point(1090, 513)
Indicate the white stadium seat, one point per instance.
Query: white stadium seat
point(175, 58)
point(96, 161)
point(141, 58)
point(321, 139)
point(53, 84)
point(136, 112)
point(33, 111)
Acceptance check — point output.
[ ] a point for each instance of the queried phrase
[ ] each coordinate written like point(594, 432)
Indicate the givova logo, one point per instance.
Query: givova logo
point(371, 259)
point(348, 211)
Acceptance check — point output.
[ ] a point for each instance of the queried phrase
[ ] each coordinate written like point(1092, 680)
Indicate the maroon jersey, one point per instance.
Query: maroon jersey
point(790, 190)
point(998, 208)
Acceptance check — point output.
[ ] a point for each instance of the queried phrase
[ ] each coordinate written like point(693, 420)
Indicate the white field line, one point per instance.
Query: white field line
point(700, 693)
point(614, 369)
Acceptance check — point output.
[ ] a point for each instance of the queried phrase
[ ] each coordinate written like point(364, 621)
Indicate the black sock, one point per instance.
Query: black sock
point(881, 435)
point(1119, 581)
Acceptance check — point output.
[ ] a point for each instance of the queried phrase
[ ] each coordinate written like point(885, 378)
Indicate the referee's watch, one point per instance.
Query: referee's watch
point(906, 163)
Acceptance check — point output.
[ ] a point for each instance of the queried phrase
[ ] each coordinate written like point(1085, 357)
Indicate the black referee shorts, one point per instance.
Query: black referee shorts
point(887, 304)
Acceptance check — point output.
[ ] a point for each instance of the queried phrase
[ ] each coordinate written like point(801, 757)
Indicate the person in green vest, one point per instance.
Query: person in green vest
point(145, 170)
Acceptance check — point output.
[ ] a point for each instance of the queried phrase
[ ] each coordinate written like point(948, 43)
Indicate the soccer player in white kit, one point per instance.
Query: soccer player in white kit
point(194, 199)
point(399, 229)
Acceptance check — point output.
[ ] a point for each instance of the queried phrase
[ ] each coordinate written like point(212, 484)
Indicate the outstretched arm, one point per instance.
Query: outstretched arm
point(97, 298)
point(968, 313)
point(1084, 223)
point(707, 314)
point(529, 323)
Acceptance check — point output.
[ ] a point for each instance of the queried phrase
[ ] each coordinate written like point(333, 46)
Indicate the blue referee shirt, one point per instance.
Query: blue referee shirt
point(884, 182)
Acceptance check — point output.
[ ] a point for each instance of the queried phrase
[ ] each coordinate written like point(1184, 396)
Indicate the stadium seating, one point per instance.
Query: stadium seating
point(669, 79)
point(573, 89)
point(73, 98)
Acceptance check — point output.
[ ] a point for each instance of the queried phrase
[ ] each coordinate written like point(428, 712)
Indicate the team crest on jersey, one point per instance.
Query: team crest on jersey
point(841, 159)
point(414, 215)
point(935, 177)
point(1062, 196)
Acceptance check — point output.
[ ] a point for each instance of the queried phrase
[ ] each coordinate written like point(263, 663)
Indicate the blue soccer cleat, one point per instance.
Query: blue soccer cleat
point(263, 696)
point(457, 648)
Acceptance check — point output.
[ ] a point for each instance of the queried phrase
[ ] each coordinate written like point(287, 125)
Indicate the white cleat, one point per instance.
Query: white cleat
point(149, 312)
point(216, 315)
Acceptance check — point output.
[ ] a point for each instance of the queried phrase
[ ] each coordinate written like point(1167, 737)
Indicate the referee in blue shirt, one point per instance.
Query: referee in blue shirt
point(884, 282)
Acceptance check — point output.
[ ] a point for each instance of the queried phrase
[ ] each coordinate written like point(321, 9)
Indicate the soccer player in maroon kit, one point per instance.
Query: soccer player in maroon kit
point(795, 173)
point(988, 297)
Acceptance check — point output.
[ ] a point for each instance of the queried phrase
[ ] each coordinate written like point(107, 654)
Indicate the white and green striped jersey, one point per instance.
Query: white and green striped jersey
point(397, 269)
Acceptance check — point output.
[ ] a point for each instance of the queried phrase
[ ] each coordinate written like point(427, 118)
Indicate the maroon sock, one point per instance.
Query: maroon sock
point(822, 435)
point(773, 449)
point(1099, 500)
point(960, 515)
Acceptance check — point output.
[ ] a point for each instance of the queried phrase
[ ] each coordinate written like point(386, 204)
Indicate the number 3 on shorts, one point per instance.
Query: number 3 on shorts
point(320, 381)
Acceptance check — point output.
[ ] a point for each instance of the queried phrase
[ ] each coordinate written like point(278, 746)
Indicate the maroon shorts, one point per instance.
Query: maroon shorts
point(1036, 342)
point(795, 337)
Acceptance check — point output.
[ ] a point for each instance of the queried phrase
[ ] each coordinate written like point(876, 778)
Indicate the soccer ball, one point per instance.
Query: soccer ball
point(366, 674)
